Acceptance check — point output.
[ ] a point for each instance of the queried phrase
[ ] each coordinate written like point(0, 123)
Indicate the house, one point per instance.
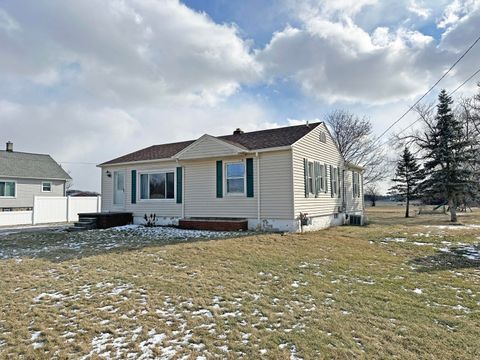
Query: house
point(24, 176)
point(268, 177)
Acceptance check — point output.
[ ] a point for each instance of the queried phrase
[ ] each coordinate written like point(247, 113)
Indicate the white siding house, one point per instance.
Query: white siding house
point(25, 175)
point(269, 177)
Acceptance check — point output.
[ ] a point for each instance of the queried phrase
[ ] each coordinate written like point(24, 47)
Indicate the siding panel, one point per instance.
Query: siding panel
point(27, 189)
point(310, 147)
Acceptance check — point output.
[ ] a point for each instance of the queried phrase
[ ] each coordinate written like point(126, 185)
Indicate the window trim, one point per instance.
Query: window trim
point(311, 177)
point(156, 171)
point(225, 178)
point(51, 186)
point(9, 197)
point(335, 184)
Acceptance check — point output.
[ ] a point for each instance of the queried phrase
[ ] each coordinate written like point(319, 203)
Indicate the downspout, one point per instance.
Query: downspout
point(258, 188)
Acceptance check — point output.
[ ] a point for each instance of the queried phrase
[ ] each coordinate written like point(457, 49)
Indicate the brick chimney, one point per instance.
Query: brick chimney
point(9, 147)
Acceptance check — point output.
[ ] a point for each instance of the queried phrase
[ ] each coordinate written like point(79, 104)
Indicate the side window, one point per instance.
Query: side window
point(311, 177)
point(46, 186)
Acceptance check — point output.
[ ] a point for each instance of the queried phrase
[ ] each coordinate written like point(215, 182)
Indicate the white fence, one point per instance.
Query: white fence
point(8, 218)
point(52, 209)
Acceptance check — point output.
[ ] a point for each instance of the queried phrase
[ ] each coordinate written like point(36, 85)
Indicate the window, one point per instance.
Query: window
point(157, 186)
point(7, 189)
point(334, 181)
point(323, 180)
point(235, 178)
point(46, 186)
point(311, 172)
point(323, 137)
point(356, 183)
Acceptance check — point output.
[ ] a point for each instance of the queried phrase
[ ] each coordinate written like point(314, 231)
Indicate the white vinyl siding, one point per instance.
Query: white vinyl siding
point(326, 153)
point(208, 147)
point(27, 189)
point(354, 201)
point(201, 194)
point(276, 184)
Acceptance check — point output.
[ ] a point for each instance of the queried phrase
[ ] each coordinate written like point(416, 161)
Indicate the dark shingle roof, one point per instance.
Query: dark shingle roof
point(254, 140)
point(26, 165)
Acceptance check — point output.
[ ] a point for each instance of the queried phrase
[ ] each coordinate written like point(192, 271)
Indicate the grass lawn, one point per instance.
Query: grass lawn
point(398, 288)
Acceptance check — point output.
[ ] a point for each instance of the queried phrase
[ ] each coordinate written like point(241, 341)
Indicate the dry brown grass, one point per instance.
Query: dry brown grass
point(341, 293)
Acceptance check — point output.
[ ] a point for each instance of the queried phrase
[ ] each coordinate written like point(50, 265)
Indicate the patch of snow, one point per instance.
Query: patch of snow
point(203, 312)
point(390, 239)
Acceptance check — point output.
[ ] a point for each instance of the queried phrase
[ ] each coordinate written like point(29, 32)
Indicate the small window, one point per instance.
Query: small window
point(235, 177)
point(7, 189)
point(46, 186)
point(356, 178)
point(335, 181)
point(157, 186)
point(323, 137)
point(311, 176)
point(322, 177)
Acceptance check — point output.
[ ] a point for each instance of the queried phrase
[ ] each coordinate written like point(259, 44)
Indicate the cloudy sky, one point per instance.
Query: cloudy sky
point(90, 80)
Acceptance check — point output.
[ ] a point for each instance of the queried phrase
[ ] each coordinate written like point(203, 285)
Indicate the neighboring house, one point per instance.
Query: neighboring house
point(24, 176)
point(269, 177)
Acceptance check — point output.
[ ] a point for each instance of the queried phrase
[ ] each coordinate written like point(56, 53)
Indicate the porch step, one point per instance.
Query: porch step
point(213, 224)
point(84, 224)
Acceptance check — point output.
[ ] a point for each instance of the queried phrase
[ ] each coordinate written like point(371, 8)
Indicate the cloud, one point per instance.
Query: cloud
point(342, 61)
point(140, 50)
point(80, 136)
point(419, 9)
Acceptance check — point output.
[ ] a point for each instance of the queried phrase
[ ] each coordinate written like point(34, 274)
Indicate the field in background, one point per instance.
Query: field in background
point(398, 288)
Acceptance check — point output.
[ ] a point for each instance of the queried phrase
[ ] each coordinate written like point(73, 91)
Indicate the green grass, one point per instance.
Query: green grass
point(341, 293)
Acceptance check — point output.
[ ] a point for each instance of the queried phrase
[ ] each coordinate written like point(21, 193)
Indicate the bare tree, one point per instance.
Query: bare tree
point(371, 194)
point(356, 142)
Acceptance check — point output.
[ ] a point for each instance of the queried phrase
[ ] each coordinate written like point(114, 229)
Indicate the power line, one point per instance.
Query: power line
point(431, 106)
point(77, 163)
point(429, 90)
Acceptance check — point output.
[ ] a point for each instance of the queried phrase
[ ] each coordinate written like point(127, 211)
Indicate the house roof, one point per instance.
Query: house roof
point(255, 140)
point(26, 165)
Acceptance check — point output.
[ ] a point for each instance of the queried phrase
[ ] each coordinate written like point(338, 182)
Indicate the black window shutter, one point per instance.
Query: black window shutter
point(219, 179)
point(305, 169)
point(250, 178)
point(134, 186)
point(179, 185)
point(331, 181)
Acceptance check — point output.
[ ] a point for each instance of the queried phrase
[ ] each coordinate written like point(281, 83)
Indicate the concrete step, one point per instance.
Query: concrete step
point(87, 219)
point(77, 229)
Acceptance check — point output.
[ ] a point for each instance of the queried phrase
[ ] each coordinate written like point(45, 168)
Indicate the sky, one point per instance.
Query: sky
point(88, 81)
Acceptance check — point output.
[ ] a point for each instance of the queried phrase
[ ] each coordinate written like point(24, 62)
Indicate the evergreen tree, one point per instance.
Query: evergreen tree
point(408, 177)
point(447, 153)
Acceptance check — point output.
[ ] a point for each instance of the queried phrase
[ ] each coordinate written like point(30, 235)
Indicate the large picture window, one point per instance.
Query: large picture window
point(235, 178)
point(7, 189)
point(154, 186)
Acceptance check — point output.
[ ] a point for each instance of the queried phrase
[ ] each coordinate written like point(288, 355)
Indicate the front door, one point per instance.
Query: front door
point(119, 189)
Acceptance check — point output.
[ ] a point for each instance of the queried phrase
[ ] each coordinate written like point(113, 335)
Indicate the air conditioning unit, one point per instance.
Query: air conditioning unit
point(356, 220)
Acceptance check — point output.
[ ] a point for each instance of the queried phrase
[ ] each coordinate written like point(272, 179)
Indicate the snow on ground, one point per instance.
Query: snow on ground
point(181, 322)
point(60, 245)
point(454, 227)
point(471, 252)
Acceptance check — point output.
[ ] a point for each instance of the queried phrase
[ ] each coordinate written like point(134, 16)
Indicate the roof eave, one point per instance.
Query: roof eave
point(174, 158)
